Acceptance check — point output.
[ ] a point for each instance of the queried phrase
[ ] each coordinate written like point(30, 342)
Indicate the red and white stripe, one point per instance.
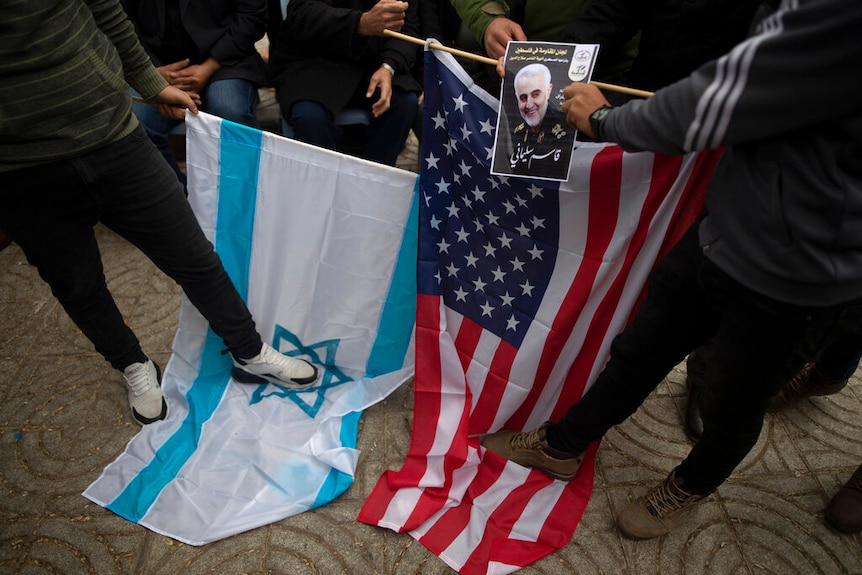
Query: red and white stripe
point(477, 512)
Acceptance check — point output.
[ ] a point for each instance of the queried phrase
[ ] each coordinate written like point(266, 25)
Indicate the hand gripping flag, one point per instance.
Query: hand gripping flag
point(323, 248)
point(522, 284)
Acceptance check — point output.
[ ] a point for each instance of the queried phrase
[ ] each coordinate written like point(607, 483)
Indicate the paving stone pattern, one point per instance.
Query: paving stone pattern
point(64, 416)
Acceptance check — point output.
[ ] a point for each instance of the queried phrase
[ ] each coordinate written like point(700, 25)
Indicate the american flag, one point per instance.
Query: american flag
point(522, 284)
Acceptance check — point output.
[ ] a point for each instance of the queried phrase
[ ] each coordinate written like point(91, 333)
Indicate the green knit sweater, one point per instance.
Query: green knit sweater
point(64, 68)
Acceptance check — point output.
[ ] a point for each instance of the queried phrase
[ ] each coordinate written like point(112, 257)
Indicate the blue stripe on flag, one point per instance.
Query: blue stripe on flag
point(337, 481)
point(237, 198)
point(393, 333)
point(391, 344)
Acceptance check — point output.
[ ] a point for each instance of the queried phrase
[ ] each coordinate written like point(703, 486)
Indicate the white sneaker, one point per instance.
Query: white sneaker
point(145, 392)
point(274, 367)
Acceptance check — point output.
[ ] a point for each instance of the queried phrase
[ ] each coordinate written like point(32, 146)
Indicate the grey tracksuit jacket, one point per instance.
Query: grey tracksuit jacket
point(784, 207)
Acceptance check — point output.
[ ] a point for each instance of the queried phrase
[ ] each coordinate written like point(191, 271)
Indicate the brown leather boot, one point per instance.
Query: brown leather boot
point(659, 511)
point(807, 383)
point(531, 449)
point(844, 511)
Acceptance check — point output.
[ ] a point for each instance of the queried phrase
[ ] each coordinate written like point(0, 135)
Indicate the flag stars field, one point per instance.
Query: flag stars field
point(515, 333)
point(517, 265)
point(487, 309)
point(536, 253)
point(460, 104)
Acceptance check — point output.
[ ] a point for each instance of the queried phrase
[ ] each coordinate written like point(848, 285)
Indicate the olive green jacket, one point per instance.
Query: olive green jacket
point(543, 20)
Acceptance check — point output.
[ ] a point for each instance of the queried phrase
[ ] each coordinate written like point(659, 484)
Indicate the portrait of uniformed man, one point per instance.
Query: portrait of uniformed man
point(541, 143)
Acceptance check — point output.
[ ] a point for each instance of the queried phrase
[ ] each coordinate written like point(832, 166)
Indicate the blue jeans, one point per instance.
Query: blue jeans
point(758, 345)
point(384, 137)
point(232, 99)
point(50, 211)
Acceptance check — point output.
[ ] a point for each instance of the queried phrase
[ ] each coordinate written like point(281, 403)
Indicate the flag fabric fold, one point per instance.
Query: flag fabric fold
point(323, 249)
point(522, 285)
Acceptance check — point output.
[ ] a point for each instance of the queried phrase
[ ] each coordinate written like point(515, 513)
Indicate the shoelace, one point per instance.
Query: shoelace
point(138, 380)
point(799, 381)
point(269, 355)
point(663, 501)
point(529, 440)
point(291, 367)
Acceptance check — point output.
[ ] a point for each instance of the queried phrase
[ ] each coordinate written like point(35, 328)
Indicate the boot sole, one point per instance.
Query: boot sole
point(166, 409)
point(242, 376)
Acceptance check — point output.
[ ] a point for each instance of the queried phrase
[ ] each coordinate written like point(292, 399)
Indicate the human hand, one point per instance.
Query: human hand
point(500, 32)
point(581, 100)
point(385, 15)
point(173, 102)
point(195, 77)
point(167, 70)
point(381, 80)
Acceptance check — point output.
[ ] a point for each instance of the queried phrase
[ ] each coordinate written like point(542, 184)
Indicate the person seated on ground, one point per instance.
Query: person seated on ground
point(207, 49)
point(329, 55)
point(495, 23)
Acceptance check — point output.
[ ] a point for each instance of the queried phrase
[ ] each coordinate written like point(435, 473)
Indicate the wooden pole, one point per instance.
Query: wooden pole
point(492, 62)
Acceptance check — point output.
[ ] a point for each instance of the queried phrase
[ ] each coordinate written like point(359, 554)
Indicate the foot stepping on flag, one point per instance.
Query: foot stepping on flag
point(522, 286)
point(323, 248)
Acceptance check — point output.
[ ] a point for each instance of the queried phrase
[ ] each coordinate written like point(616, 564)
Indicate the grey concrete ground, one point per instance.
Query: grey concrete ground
point(63, 417)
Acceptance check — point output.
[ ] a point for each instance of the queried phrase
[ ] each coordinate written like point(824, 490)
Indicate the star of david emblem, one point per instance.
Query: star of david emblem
point(321, 354)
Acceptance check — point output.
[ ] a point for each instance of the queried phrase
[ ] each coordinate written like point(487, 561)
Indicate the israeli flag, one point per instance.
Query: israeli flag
point(323, 248)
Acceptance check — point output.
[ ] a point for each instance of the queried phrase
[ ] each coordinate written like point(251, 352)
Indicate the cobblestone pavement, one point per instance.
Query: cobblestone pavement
point(63, 417)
